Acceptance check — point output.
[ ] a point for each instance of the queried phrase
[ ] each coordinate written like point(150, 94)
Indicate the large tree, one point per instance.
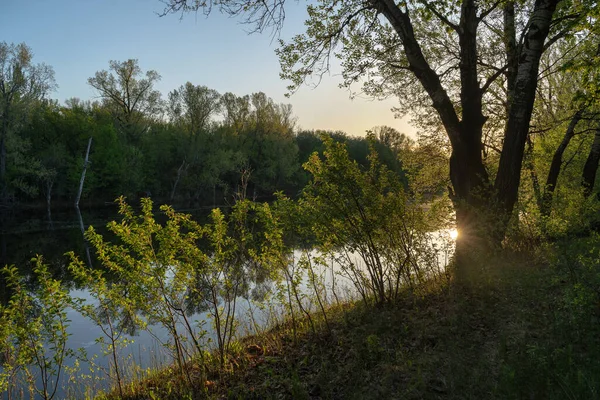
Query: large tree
point(465, 59)
point(192, 107)
point(22, 85)
point(130, 95)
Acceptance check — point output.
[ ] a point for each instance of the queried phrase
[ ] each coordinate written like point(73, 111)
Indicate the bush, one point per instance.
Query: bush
point(382, 239)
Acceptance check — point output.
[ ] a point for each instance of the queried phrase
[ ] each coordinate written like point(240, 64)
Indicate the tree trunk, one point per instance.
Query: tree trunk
point(182, 168)
point(471, 194)
point(85, 164)
point(591, 165)
point(469, 181)
point(556, 163)
point(517, 128)
point(510, 46)
point(530, 166)
point(467, 172)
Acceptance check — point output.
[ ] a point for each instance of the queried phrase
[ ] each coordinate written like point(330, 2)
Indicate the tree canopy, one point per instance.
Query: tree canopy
point(22, 83)
point(475, 63)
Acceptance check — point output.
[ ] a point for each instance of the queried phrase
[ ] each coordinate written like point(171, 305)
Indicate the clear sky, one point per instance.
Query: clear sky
point(79, 37)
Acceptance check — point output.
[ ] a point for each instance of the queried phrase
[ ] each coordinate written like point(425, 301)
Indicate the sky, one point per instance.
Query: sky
point(79, 37)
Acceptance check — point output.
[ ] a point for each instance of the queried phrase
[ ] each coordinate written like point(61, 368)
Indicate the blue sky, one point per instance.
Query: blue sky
point(79, 37)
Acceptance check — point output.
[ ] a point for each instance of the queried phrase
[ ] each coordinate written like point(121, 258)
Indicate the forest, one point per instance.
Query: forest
point(460, 263)
point(184, 147)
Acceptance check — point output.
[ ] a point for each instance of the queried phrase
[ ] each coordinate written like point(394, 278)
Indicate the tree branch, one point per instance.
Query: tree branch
point(430, 81)
point(489, 10)
point(557, 37)
point(442, 18)
point(492, 78)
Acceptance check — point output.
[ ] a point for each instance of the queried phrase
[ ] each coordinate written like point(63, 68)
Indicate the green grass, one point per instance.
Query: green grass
point(521, 329)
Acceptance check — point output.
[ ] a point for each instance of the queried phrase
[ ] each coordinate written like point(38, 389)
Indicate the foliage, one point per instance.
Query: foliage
point(244, 252)
point(46, 157)
point(129, 95)
point(169, 273)
point(34, 334)
point(380, 237)
point(113, 310)
point(197, 155)
point(22, 85)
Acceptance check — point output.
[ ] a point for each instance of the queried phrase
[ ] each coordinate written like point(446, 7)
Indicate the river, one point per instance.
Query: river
point(24, 236)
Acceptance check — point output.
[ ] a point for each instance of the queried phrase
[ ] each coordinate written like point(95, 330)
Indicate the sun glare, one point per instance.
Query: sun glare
point(454, 234)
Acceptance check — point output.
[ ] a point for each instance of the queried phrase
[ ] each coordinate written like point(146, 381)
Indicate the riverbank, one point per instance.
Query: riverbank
point(526, 327)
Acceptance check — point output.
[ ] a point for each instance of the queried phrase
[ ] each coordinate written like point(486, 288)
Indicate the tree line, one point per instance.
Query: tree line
point(193, 146)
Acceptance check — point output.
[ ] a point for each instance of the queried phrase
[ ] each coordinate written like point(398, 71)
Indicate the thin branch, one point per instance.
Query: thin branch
point(492, 147)
point(566, 164)
point(448, 70)
point(585, 131)
point(489, 10)
point(490, 66)
point(493, 29)
point(440, 16)
point(574, 16)
point(557, 37)
point(492, 78)
point(398, 66)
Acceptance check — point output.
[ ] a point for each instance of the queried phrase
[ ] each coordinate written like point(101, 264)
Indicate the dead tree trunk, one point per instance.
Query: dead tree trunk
point(180, 171)
point(49, 185)
point(85, 164)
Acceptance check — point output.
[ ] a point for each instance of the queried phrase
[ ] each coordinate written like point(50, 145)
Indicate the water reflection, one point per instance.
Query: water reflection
point(65, 233)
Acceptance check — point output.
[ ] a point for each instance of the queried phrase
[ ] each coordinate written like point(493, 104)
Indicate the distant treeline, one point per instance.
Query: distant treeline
point(168, 160)
point(193, 147)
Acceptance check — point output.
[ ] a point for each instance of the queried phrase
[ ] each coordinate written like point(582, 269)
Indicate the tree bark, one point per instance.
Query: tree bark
point(591, 165)
point(510, 46)
point(517, 128)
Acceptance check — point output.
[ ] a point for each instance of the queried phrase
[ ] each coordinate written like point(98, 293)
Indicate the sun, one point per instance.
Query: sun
point(453, 234)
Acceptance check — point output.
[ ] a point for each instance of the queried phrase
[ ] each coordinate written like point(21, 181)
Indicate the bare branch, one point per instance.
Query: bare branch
point(585, 131)
point(489, 10)
point(490, 66)
point(492, 147)
point(492, 78)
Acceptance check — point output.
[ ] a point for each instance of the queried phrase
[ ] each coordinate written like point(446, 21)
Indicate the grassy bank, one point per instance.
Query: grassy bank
point(527, 327)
